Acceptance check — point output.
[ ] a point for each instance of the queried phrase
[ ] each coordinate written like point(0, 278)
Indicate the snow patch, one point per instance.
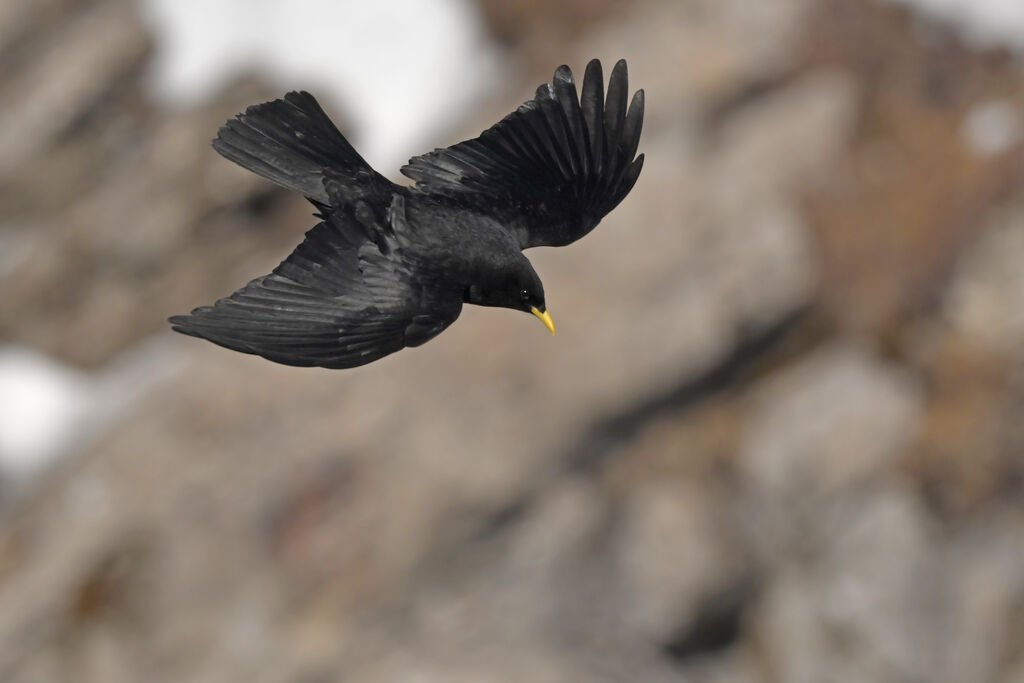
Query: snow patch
point(983, 22)
point(49, 408)
point(993, 128)
point(395, 69)
point(42, 406)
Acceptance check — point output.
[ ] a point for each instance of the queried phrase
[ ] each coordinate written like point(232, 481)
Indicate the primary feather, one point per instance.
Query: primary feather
point(552, 169)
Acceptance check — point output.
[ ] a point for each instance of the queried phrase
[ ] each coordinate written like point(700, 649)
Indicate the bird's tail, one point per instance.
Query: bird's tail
point(293, 143)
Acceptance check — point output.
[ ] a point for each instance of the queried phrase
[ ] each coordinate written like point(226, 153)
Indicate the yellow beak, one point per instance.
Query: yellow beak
point(545, 318)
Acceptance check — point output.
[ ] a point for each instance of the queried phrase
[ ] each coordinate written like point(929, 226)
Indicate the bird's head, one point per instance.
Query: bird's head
point(516, 285)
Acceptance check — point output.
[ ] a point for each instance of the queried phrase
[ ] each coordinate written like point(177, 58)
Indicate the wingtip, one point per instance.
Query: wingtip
point(636, 107)
point(637, 165)
point(301, 98)
point(181, 324)
point(620, 71)
point(630, 139)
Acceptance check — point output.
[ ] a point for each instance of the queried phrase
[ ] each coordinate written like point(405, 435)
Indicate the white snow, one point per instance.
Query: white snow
point(992, 128)
point(49, 409)
point(394, 69)
point(983, 22)
point(42, 405)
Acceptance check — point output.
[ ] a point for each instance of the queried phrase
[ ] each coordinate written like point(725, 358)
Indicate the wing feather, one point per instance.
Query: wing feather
point(338, 301)
point(554, 167)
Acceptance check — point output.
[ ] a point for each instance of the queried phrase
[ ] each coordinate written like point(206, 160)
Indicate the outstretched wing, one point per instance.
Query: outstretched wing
point(551, 169)
point(345, 297)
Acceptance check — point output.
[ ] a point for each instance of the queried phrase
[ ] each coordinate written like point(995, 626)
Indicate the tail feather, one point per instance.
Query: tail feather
point(293, 143)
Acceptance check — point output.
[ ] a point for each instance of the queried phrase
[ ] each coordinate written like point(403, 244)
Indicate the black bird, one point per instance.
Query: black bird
point(390, 266)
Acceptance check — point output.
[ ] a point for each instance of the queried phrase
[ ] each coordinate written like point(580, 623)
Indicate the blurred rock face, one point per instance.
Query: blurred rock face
point(776, 439)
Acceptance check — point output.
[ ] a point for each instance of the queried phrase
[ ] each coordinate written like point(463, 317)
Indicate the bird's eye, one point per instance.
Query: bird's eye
point(524, 294)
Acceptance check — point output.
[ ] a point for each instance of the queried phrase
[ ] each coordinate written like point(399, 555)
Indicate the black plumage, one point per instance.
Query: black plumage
point(390, 266)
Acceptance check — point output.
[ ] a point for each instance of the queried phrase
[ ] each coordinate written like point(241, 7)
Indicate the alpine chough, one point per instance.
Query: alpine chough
point(391, 266)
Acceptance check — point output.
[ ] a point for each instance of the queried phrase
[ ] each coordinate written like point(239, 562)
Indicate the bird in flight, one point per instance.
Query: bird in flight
point(390, 266)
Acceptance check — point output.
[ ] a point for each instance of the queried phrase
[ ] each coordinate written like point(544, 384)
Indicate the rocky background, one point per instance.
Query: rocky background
point(777, 438)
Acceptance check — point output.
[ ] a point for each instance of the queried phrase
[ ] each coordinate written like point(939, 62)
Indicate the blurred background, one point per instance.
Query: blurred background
point(779, 436)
